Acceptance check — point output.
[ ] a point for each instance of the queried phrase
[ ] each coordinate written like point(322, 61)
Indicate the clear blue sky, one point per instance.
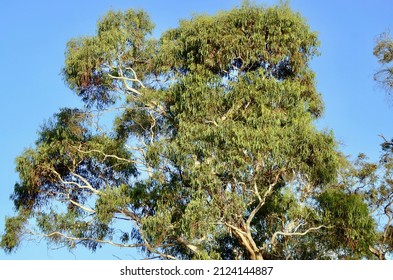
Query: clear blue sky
point(33, 35)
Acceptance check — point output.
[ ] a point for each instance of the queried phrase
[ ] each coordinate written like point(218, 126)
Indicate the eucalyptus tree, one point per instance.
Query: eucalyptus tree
point(213, 152)
point(383, 50)
point(376, 178)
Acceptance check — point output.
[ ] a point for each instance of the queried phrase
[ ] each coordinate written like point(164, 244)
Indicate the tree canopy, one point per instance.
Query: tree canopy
point(213, 152)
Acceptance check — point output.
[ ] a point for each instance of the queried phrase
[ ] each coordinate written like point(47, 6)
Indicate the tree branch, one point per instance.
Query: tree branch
point(82, 207)
point(190, 246)
point(273, 241)
point(248, 243)
point(262, 201)
point(136, 245)
point(107, 155)
point(87, 186)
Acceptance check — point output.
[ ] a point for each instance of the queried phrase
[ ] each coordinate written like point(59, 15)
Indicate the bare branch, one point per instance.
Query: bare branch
point(125, 79)
point(262, 201)
point(107, 155)
point(152, 127)
point(136, 245)
point(378, 253)
point(87, 186)
point(57, 233)
point(274, 237)
point(190, 246)
point(246, 240)
point(82, 206)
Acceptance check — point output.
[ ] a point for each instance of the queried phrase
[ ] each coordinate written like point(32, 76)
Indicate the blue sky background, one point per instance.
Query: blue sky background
point(33, 35)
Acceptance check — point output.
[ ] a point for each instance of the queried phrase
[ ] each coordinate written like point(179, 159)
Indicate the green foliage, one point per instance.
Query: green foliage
point(383, 50)
point(350, 218)
point(15, 227)
point(213, 153)
point(92, 61)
